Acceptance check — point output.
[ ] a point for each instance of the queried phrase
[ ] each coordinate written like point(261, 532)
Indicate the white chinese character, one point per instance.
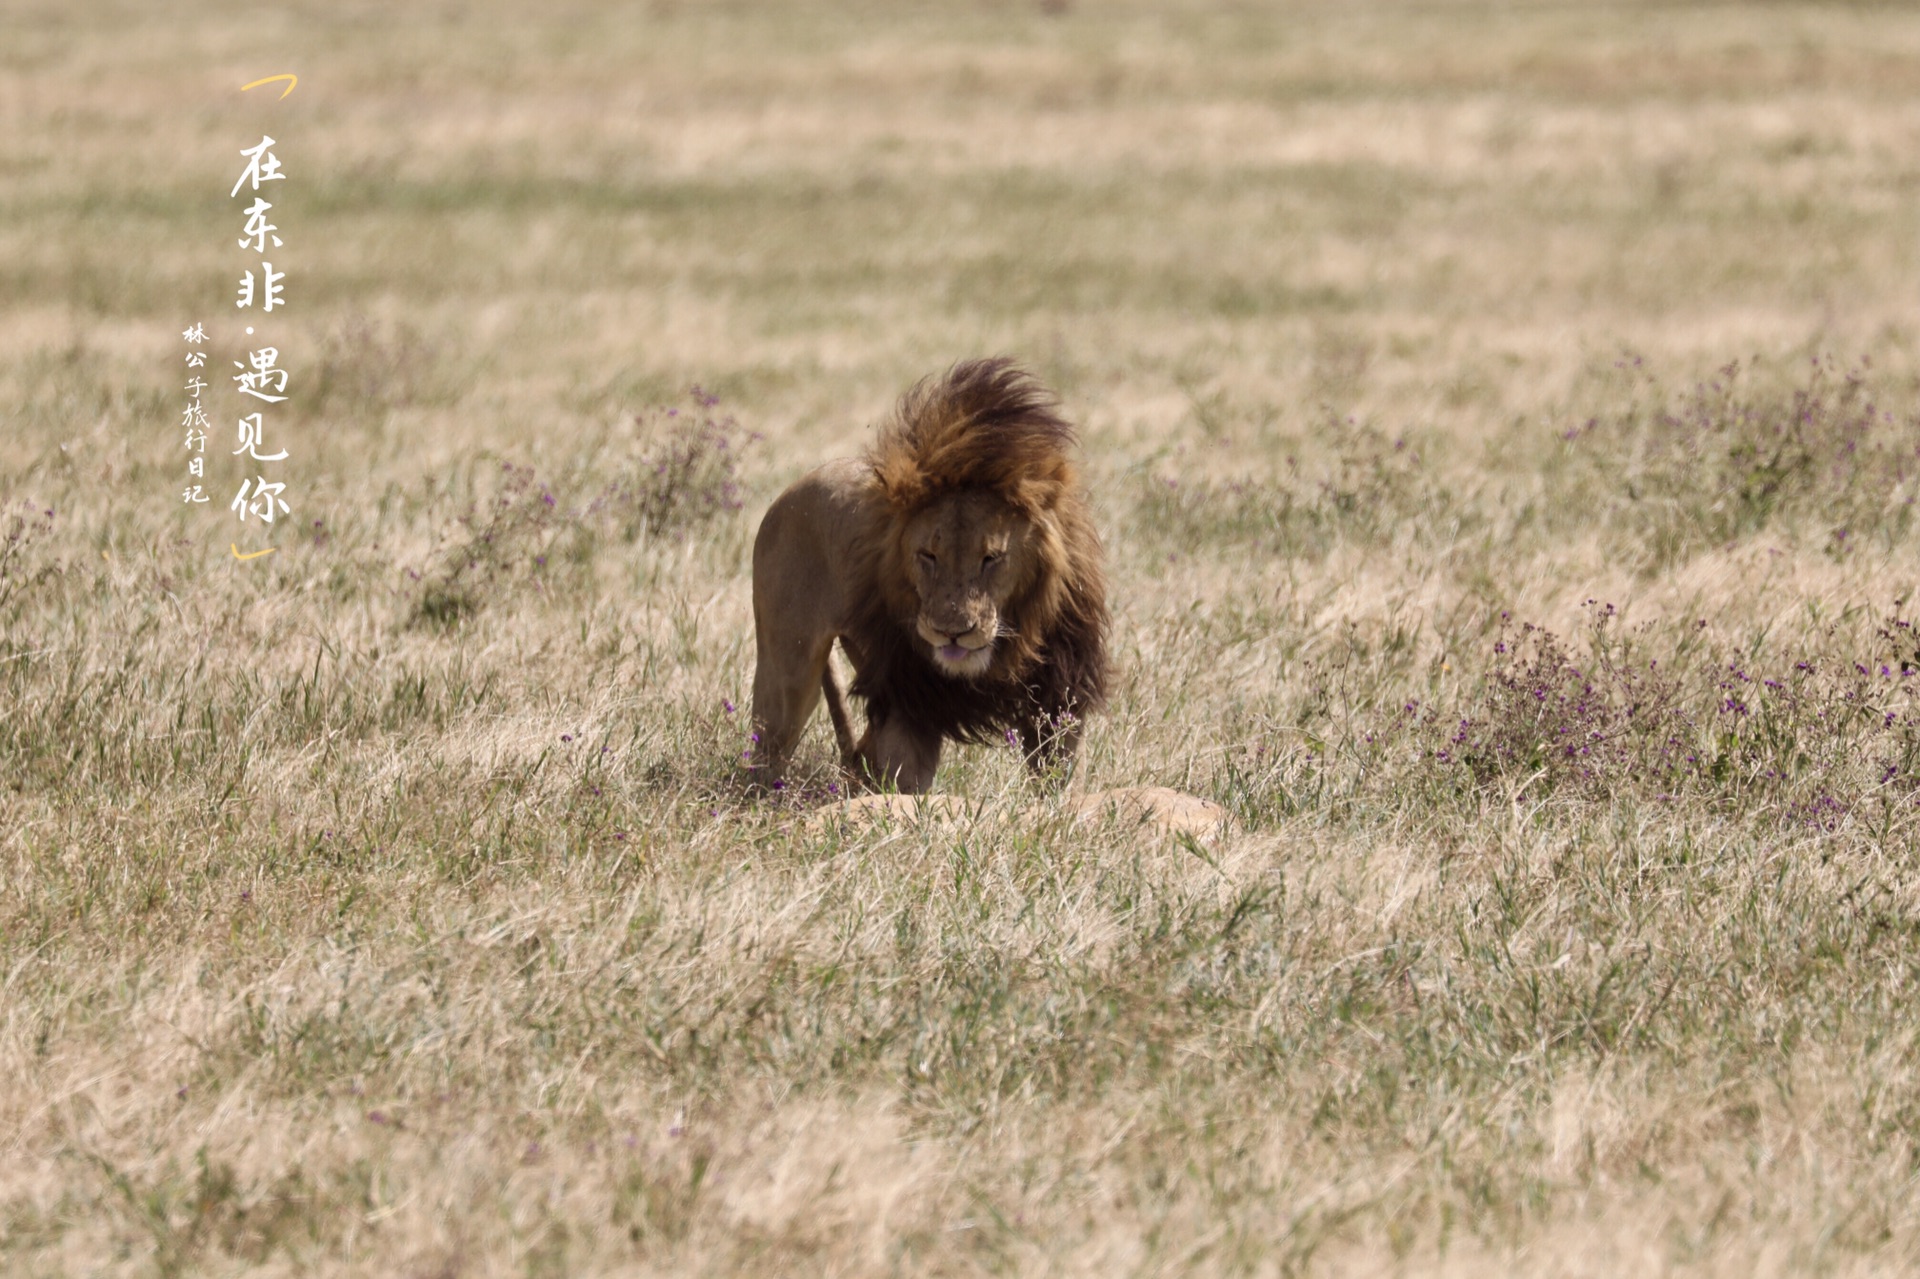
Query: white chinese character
point(196, 334)
point(194, 417)
point(264, 374)
point(196, 359)
point(198, 466)
point(196, 386)
point(265, 495)
point(261, 167)
point(193, 495)
point(271, 279)
point(196, 440)
point(258, 230)
point(252, 436)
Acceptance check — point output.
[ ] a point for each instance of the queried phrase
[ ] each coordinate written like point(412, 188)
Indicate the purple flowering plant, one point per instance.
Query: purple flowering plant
point(1753, 446)
point(1811, 738)
point(676, 473)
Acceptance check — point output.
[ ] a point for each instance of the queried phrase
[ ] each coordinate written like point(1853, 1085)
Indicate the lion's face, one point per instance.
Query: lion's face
point(966, 555)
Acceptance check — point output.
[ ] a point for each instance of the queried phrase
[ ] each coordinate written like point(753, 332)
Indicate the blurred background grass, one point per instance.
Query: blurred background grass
point(386, 905)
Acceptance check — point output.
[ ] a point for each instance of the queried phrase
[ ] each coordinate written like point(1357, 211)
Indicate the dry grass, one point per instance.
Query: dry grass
point(389, 905)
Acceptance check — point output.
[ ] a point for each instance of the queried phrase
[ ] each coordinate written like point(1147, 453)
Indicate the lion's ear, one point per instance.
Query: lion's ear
point(902, 482)
point(1036, 495)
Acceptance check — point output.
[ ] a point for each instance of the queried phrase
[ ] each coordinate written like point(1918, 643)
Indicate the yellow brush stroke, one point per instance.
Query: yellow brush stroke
point(290, 79)
point(250, 555)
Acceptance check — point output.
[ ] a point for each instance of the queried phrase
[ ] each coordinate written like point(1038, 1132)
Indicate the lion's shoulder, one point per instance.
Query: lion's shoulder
point(831, 513)
point(813, 553)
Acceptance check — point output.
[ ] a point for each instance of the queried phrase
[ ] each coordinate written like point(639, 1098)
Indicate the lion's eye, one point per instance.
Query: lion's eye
point(927, 559)
point(992, 558)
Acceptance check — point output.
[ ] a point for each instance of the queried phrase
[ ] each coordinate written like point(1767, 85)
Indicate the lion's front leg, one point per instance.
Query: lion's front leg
point(899, 756)
point(786, 688)
point(1050, 743)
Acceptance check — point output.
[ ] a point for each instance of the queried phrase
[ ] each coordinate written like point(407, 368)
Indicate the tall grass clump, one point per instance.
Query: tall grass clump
point(1350, 483)
point(1749, 450)
point(1813, 737)
point(669, 473)
point(367, 368)
point(24, 561)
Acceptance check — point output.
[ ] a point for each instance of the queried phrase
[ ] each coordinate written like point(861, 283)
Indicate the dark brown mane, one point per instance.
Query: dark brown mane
point(987, 425)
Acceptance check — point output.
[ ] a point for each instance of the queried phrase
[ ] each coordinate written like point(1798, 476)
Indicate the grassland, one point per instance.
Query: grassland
point(1503, 423)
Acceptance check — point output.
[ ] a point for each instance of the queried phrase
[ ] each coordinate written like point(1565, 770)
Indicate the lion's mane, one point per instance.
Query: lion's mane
point(987, 425)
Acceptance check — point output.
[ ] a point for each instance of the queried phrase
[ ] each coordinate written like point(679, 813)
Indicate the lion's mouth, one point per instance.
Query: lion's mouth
point(958, 659)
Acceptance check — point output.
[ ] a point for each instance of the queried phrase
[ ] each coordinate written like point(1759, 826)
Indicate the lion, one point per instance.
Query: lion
point(957, 564)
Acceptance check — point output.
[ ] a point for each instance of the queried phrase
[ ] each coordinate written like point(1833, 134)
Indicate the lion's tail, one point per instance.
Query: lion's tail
point(842, 726)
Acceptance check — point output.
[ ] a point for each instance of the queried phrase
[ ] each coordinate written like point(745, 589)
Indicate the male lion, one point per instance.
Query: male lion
point(957, 565)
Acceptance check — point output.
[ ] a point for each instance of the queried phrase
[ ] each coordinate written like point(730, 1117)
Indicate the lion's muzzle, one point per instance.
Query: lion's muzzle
point(966, 653)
